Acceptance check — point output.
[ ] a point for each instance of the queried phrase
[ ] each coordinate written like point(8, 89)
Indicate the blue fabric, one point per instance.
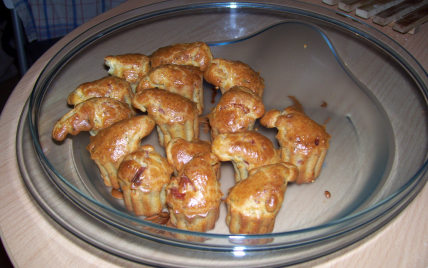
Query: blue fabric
point(46, 19)
point(45, 9)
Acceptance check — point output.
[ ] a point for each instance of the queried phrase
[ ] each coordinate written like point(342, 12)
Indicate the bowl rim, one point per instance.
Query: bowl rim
point(417, 180)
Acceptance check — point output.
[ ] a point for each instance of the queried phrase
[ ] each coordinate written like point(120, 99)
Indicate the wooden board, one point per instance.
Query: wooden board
point(385, 12)
point(412, 20)
point(351, 5)
point(369, 10)
point(398, 11)
point(331, 2)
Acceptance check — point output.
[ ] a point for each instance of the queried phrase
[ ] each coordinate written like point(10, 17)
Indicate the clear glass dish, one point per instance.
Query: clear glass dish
point(375, 93)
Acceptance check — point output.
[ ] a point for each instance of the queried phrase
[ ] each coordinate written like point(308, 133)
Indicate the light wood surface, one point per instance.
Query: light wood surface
point(33, 239)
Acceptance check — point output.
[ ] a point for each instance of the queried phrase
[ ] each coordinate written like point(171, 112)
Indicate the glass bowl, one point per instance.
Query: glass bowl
point(368, 90)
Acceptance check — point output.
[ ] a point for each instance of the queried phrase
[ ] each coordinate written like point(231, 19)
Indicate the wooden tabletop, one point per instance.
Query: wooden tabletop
point(33, 239)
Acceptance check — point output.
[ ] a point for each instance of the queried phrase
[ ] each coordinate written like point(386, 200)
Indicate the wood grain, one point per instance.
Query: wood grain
point(398, 11)
point(331, 2)
point(368, 11)
point(351, 5)
point(412, 20)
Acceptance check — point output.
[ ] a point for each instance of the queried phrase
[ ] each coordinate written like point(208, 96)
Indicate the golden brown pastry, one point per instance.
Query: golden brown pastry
point(303, 142)
point(179, 152)
point(180, 79)
point(247, 150)
point(236, 111)
point(226, 73)
point(197, 54)
point(194, 196)
point(143, 176)
point(175, 115)
point(131, 67)
point(112, 144)
point(109, 87)
point(253, 203)
point(91, 115)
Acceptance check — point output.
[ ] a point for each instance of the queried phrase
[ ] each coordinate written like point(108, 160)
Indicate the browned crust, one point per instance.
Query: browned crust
point(196, 54)
point(181, 79)
point(131, 67)
point(111, 145)
point(303, 141)
point(175, 115)
point(226, 73)
point(143, 176)
point(194, 196)
point(247, 150)
point(253, 203)
point(236, 111)
point(91, 115)
point(109, 87)
point(180, 151)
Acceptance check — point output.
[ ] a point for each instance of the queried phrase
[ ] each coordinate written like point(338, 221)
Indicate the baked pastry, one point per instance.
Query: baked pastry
point(91, 115)
point(236, 111)
point(181, 79)
point(226, 73)
point(143, 176)
point(197, 54)
point(112, 144)
point(247, 150)
point(179, 152)
point(303, 142)
point(109, 87)
point(253, 203)
point(194, 196)
point(131, 67)
point(175, 115)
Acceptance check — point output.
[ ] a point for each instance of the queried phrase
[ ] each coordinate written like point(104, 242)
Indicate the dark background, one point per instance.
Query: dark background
point(9, 81)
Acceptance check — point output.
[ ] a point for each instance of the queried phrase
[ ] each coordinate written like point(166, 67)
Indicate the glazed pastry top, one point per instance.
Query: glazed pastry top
point(180, 151)
point(249, 147)
point(226, 73)
point(109, 86)
point(196, 54)
point(145, 170)
point(112, 144)
point(166, 107)
point(184, 80)
point(195, 191)
point(236, 110)
point(295, 127)
point(131, 67)
point(91, 115)
point(263, 191)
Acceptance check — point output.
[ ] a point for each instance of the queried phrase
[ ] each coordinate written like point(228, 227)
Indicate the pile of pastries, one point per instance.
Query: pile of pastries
point(164, 90)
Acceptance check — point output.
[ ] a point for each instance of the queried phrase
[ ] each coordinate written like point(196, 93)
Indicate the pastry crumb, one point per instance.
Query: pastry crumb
point(326, 121)
point(327, 194)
